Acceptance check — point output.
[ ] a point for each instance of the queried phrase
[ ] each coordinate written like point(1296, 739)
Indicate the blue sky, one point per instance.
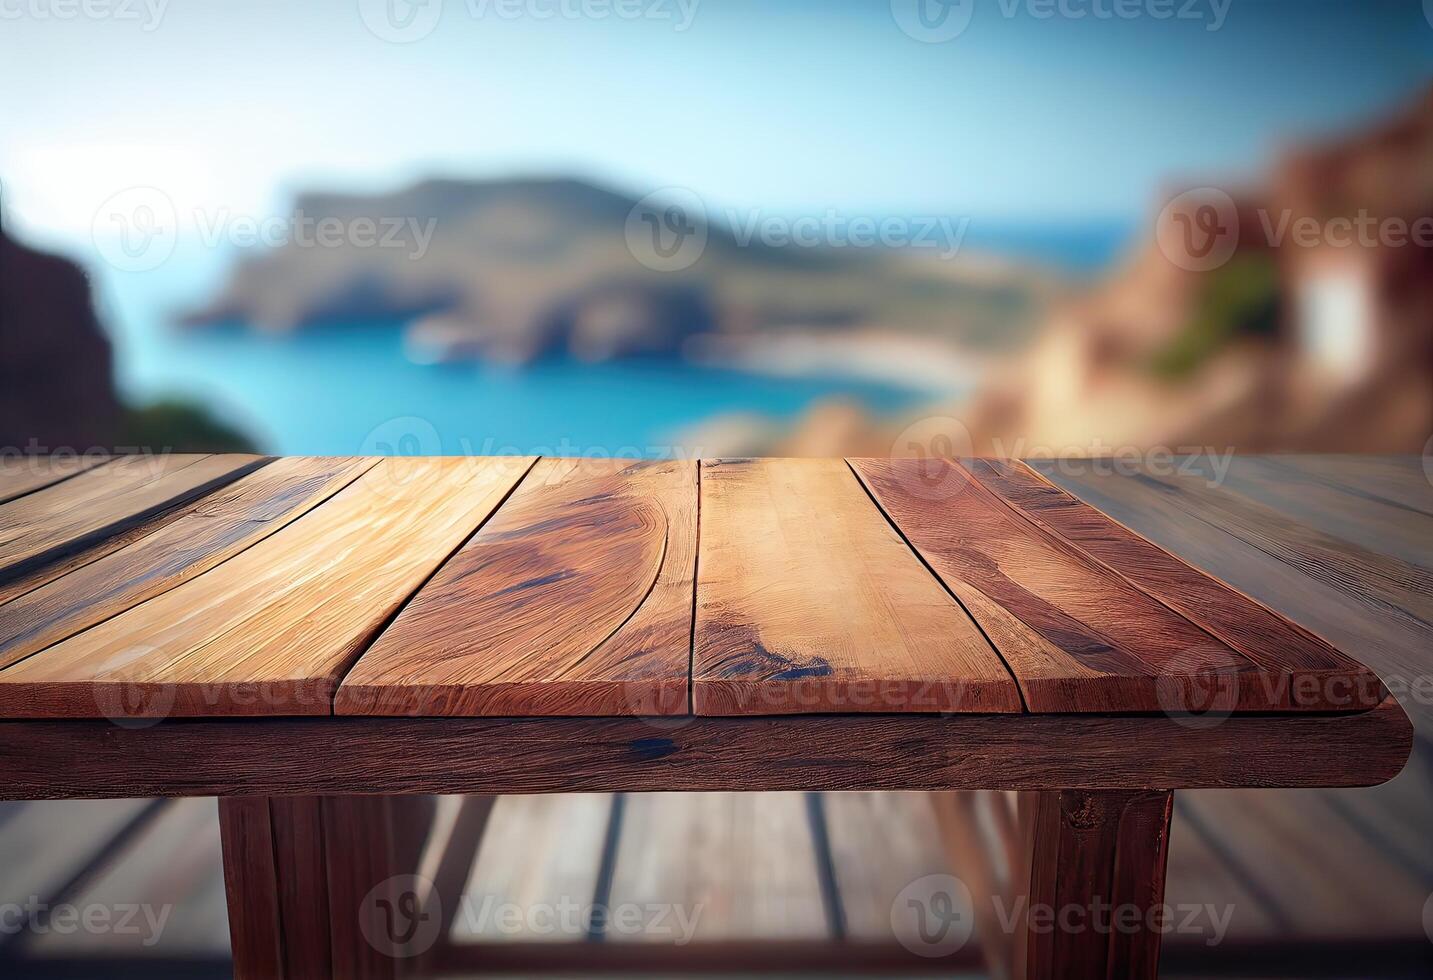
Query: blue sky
point(786, 106)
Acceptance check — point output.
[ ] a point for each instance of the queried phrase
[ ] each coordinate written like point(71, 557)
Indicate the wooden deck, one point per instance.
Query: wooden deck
point(1321, 882)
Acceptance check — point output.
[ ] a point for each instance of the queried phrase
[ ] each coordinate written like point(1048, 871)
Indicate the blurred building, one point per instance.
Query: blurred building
point(1292, 316)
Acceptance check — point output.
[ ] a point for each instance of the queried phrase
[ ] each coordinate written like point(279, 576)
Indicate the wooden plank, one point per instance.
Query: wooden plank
point(808, 601)
point(728, 866)
point(271, 630)
point(1313, 674)
point(282, 757)
point(459, 826)
point(172, 879)
point(978, 862)
point(251, 881)
point(1089, 849)
point(1202, 873)
point(1324, 879)
point(575, 599)
point(1341, 508)
point(46, 525)
point(44, 845)
point(375, 917)
point(1077, 636)
point(218, 527)
point(1350, 595)
point(880, 844)
point(20, 475)
point(1400, 481)
point(538, 853)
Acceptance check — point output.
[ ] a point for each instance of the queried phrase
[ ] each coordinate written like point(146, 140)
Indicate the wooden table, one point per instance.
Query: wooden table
point(313, 639)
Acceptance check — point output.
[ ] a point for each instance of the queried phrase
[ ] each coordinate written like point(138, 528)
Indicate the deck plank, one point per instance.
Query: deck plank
point(1346, 506)
point(535, 873)
point(43, 526)
point(271, 630)
point(174, 872)
point(727, 866)
point(881, 844)
point(808, 601)
point(218, 527)
point(1354, 597)
point(1318, 676)
point(575, 599)
point(1077, 636)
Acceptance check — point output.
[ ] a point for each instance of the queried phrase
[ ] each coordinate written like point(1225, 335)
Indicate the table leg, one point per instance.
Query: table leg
point(1096, 883)
point(321, 886)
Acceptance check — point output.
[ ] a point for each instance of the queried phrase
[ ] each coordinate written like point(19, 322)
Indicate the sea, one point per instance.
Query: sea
point(344, 389)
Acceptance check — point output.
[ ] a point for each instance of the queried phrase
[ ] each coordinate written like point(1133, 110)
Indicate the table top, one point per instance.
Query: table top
point(194, 586)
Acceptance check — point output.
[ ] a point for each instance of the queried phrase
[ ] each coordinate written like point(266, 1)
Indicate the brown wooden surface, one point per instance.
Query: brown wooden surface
point(1078, 635)
point(20, 475)
point(575, 599)
point(1090, 849)
point(498, 587)
point(271, 630)
point(819, 752)
point(42, 526)
point(808, 601)
point(228, 521)
point(252, 880)
point(1317, 676)
point(1298, 902)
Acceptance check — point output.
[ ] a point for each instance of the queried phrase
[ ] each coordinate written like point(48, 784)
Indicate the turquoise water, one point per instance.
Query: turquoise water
point(344, 390)
point(339, 390)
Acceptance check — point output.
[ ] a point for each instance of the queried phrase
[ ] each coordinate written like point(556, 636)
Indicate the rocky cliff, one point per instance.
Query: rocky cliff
point(56, 388)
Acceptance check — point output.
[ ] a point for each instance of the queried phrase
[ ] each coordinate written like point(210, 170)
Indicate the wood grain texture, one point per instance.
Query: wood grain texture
point(1348, 506)
point(808, 601)
point(271, 630)
point(575, 599)
point(1359, 599)
point(216, 528)
point(1093, 848)
point(44, 526)
point(1077, 636)
point(1301, 670)
point(251, 882)
point(732, 867)
point(20, 475)
point(1401, 481)
point(284, 757)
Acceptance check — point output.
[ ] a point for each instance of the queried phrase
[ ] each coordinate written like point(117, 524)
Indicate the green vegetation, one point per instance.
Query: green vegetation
point(179, 426)
point(1240, 299)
